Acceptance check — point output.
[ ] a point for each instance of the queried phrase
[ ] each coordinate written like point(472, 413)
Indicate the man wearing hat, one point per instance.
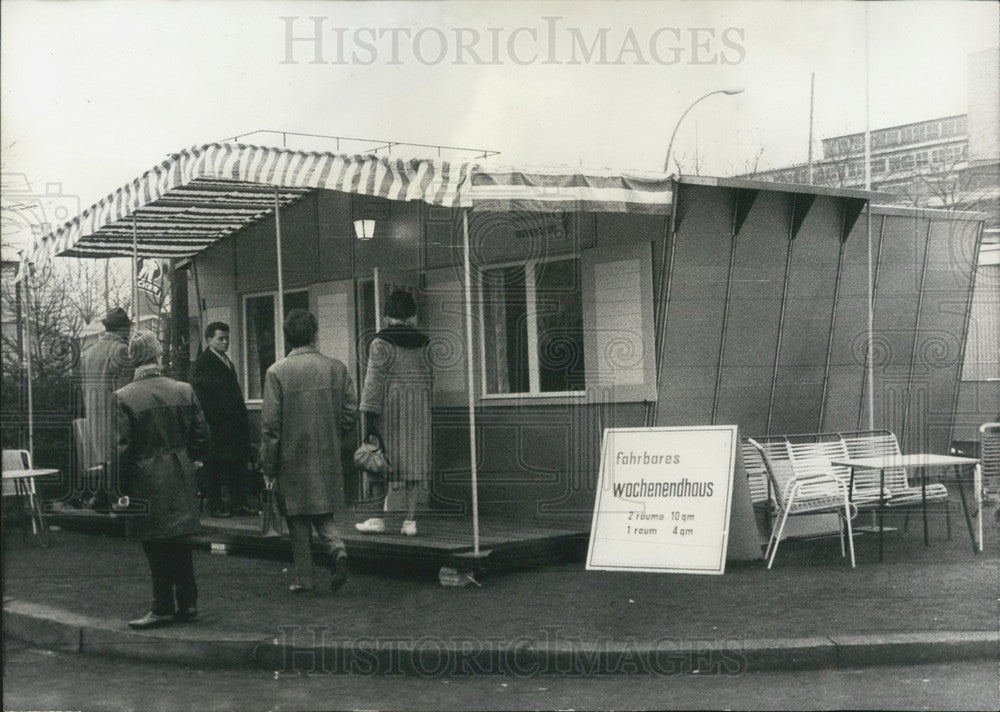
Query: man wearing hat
point(161, 433)
point(105, 367)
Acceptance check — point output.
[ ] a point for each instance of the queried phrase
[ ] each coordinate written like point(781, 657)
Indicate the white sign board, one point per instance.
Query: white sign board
point(663, 500)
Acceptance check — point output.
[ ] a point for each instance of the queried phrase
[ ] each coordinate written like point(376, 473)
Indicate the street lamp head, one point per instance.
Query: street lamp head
point(670, 145)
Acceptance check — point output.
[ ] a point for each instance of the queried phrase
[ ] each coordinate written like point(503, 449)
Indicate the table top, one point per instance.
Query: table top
point(883, 462)
point(26, 474)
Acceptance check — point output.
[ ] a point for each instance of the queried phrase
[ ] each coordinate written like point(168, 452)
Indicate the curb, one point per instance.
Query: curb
point(58, 629)
point(311, 651)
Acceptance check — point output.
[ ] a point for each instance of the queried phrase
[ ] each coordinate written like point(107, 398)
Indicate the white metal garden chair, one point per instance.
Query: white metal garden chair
point(804, 485)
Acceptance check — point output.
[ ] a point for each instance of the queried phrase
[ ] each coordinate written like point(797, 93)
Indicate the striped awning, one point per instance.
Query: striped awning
point(567, 190)
point(200, 195)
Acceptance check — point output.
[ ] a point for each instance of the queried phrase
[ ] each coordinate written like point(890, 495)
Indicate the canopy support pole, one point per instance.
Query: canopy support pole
point(471, 383)
point(28, 311)
point(870, 357)
point(870, 365)
point(197, 296)
point(279, 332)
point(135, 272)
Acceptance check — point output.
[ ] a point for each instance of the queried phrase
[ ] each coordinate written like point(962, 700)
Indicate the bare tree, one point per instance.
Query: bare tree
point(747, 165)
point(93, 287)
point(690, 165)
point(55, 304)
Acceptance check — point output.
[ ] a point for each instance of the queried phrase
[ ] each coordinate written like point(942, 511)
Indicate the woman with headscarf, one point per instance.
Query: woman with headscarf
point(396, 403)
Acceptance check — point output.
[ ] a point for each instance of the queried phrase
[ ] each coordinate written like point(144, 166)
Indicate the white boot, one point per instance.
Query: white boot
point(409, 527)
point(375, 525)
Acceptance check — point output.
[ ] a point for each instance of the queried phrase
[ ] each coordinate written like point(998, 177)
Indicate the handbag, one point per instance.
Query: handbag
point(371, 456)
point(272, 519)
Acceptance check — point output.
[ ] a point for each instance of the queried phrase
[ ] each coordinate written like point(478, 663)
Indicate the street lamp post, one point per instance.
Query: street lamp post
point(670, 146)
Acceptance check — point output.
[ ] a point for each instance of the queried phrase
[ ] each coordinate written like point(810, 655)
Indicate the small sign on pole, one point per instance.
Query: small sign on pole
point(149, 276)
point(664, 500)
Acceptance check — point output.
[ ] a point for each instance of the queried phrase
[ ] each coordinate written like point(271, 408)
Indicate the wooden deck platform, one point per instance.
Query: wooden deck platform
point(441, 542)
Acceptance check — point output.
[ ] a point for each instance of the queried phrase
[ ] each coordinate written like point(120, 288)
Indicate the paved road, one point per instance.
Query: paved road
point(37, 679)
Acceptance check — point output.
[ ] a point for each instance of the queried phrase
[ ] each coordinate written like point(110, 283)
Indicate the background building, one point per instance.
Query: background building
point(950, 163)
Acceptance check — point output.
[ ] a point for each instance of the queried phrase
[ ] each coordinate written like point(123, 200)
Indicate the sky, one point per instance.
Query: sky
point(96, 92)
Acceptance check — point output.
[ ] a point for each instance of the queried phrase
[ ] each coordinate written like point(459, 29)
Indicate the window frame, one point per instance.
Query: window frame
point(279, 335)
point(531, 309)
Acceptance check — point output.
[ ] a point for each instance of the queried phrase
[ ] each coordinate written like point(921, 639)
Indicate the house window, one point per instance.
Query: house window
point(532, 328)
point(263, 341)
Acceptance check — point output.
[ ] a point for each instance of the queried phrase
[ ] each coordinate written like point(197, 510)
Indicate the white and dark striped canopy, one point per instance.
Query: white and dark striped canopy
point(204, 193)
point(503, 189)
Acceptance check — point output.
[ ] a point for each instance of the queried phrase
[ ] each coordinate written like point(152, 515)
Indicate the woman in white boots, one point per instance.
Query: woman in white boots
point(396, 403)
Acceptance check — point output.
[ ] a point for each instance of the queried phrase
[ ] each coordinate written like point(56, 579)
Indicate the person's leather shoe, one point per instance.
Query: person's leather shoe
point(221, 514)
point(340, 573)
point(186, 615)
point(299, 588)
point(150, 620)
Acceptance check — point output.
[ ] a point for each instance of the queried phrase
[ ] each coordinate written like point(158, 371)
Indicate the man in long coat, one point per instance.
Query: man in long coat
point(309, 404)
point(214, 380)
point(161, 433)
point(105, 368)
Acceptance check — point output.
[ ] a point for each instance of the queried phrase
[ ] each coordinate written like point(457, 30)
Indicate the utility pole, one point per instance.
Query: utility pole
point(812, 105)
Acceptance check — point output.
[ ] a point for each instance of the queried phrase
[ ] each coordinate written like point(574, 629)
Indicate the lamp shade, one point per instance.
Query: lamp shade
point(364, 229)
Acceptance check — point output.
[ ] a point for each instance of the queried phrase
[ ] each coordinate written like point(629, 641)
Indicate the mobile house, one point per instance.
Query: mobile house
point(561, 302)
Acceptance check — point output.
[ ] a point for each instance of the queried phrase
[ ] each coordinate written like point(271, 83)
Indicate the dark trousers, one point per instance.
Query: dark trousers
point(231, 473)
point(300, 528)
point(173, 570)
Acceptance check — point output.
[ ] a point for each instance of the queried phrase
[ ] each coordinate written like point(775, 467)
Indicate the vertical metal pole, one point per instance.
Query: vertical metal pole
point(28, 311)
point(135, 273)
point(663, 296)
point(812, 105)
point(868, 132)
point(471, 383)
point(197, 296)
point(19, 319)
point(870, 365)
point(870, 359)
point(279, 332)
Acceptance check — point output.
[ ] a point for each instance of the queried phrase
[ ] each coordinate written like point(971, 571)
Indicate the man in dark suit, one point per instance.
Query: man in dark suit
point(214, 380)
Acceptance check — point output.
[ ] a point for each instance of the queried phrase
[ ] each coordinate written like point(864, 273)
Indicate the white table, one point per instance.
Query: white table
point(923, 462)
point(24, 490)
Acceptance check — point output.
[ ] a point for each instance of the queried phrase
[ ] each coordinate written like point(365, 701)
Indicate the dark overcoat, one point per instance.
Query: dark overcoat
point(222, 401)
point(161, 432)
point(309, 404)
point(104, 368)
